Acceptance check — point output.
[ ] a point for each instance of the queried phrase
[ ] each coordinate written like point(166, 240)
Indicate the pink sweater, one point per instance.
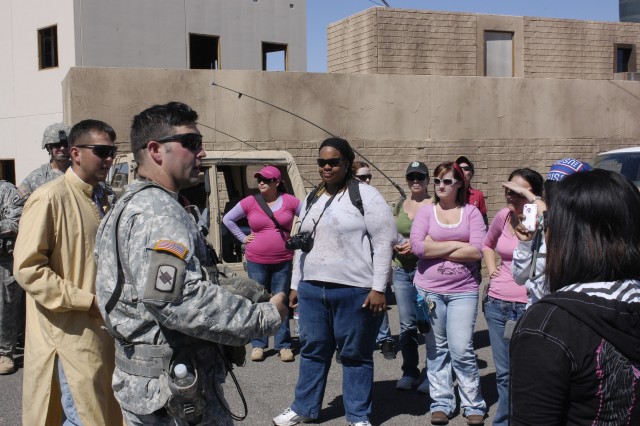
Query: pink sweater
point(500, 239)
point(439, 275)
point(268, 244)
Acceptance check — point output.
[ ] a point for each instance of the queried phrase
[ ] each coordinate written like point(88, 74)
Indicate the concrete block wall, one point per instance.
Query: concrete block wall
point(561, 48)
point(418, 42)
point(500, 123)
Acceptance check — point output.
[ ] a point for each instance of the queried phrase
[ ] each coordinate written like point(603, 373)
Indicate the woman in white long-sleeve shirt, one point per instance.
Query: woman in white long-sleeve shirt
point(339, 286)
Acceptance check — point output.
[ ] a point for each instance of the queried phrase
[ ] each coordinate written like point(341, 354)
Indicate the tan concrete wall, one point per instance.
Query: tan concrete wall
point(419, 42)
point(560, 48)
point(501, 124)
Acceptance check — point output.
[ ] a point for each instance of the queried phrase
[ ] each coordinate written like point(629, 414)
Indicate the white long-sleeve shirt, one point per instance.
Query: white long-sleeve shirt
point(341, 253)
point(522, 256)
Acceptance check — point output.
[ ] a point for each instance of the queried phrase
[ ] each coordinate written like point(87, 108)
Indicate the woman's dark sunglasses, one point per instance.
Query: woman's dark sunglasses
point(364, 177)
point(511, 193)
point(412, 177)
point(191, 141)
point(333, 162)
point(101, 151)
point(261, 179)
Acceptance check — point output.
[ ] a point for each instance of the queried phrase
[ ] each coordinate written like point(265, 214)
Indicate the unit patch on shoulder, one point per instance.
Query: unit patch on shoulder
point(166, 278)
point(172, 247)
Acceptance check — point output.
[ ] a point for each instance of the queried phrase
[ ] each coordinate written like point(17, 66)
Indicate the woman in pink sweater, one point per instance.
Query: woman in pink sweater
point(268, 261)
point(505, 300)
point(446, 236)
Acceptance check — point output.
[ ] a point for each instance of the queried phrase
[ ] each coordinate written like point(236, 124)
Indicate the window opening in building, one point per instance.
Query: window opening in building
point(625, 58)
point(274, 57)
point(8, 170)
point(48, 47)
point(498, 48)
point(204, 52)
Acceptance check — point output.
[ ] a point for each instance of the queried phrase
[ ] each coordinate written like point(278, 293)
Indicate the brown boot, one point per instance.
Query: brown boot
point(6, 364)
point(439, 418)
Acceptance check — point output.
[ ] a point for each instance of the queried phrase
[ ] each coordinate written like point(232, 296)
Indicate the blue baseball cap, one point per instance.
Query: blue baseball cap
point(565, 167)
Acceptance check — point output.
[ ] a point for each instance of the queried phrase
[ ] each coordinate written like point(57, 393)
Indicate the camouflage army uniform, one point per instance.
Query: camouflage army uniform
point(193, 310)
point(10, 211)
point(37, 178)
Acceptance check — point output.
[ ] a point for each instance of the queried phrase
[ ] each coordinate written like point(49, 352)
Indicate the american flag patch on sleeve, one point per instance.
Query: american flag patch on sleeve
point(172, 247)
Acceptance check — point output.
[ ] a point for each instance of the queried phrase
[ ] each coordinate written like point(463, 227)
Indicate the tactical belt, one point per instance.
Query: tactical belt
point(143, 360)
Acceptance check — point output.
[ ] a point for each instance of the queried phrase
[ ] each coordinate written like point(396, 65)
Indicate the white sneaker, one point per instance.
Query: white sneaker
point(423, 387)
point(407, 383)
point(290, 418)
point(365, 423)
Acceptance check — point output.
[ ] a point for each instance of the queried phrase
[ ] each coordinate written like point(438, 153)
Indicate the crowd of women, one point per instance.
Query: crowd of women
point(561, 302)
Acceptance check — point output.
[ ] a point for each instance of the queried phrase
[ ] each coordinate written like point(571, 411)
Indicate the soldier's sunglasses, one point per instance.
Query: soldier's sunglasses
point(101, 151)
point(191, 141)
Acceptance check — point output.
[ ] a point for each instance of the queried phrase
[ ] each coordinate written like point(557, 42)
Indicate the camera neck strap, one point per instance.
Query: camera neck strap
point(311, 200)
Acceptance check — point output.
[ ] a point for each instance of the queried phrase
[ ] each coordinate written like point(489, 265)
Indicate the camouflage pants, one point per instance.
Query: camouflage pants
point(10, 300)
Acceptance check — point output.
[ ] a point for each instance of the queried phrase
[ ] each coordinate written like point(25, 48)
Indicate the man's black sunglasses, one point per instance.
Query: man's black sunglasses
point(191, 141)
point(333, 162)
point(101, 151)
point(265, 180)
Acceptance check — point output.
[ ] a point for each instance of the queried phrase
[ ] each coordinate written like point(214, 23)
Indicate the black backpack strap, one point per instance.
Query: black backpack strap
point(356, 199)
point(267, 210)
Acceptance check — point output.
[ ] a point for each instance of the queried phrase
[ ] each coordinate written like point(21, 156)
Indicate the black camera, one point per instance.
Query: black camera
point(301, 241)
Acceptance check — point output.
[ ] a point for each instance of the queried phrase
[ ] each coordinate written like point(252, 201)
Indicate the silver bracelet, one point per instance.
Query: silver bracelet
point(535, 199)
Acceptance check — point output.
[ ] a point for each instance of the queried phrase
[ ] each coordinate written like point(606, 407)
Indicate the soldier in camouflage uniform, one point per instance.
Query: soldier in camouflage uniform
point(155, 293)
point(55, 142)
point(10, 293)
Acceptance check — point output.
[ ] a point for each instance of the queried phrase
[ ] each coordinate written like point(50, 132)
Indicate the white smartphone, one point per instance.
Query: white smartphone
point(530, 221)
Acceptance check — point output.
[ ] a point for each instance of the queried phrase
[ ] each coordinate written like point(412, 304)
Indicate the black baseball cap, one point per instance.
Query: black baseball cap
point(463, 159)
point(417, 167)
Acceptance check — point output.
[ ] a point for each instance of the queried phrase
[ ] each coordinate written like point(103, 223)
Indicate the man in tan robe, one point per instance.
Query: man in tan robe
point(69, 358)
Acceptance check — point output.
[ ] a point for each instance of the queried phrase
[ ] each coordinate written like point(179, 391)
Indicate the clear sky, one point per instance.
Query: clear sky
point(321, 13)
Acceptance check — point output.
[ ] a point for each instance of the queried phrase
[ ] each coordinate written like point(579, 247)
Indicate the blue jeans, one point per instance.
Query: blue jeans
point(405, 298)
point(275, 278)
point(332, 315)
point(497, 312)
point(450, 344)
point(384, 333)
point(70, 413)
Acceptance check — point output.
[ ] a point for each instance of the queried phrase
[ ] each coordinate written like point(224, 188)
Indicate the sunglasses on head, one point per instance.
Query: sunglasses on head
point(446, 182)
point(364, 177)
point(466, 168)
point(191, 141)
point(416, 177)
point(261, 179)
point(101, 151)
point(333, 162)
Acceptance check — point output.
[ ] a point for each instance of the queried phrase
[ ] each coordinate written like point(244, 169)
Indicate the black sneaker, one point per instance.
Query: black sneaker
point(387, 349)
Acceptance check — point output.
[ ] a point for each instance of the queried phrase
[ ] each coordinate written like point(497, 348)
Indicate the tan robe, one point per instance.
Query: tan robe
point(54, 263)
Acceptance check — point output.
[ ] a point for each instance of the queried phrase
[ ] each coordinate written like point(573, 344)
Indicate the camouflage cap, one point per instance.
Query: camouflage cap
point(52, 134)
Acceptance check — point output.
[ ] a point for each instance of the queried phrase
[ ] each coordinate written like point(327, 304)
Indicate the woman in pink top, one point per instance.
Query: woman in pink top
point(268, 261)
point(505, 300)
point(447, 239)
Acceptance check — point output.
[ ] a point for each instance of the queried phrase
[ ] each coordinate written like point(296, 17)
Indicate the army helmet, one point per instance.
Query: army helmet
point(55, 133)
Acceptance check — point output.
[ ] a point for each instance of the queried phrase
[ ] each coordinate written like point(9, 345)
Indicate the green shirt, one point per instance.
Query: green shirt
point(403, 224)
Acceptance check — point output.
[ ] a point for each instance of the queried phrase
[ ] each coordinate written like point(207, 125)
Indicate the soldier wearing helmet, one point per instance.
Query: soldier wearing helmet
point(54, 140)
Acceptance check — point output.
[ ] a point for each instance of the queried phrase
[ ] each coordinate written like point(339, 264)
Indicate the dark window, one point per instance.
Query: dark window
point(625, 58)
point(8, 171)
point(274, 57)
point(48, 47)
point(204, 52)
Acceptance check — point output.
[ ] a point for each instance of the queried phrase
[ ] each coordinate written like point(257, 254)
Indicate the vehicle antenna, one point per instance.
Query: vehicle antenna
point(241, 94)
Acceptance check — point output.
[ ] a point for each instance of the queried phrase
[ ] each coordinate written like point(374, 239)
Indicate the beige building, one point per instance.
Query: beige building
point(41, 40)
point(420, 42)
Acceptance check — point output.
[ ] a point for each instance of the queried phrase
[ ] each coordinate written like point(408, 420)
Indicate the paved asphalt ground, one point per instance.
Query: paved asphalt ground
point(268, 388)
